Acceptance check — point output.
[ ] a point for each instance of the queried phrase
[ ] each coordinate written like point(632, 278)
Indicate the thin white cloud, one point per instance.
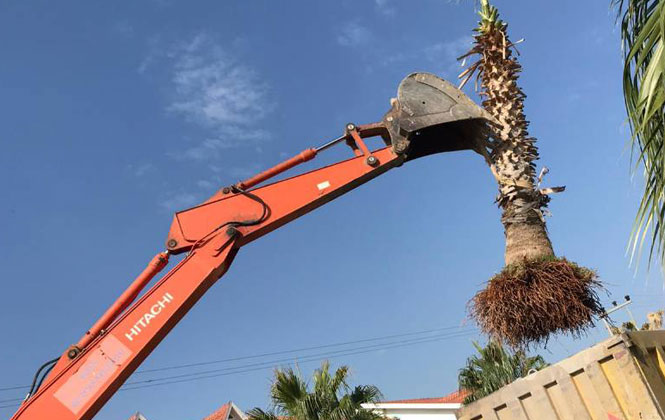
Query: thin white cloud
point(215, 91)
point(179, 201)
point(140, 169)
point(206, 184)
point(123, 28)
point(212, 90)
point(448, 50)
point(213, 148)
point(143, 169)
point(156, 51)
point(354, 34)
point(241, 172)
point(441, 56)
point(145, 63)
point(207, 149)
point(223, 99)
point(385, 7)
point(444, 55)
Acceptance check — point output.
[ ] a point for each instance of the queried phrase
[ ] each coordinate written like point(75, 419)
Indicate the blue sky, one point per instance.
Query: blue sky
point(115, 115)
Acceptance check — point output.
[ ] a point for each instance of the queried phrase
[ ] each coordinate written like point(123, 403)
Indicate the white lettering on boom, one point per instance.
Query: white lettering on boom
point(145, 319)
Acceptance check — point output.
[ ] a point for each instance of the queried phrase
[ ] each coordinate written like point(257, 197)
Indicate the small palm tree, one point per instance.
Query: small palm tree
point(330, 399)
point(642, 32)
point(493, 368)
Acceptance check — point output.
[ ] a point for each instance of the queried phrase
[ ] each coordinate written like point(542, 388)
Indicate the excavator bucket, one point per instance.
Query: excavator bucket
point(430, 115)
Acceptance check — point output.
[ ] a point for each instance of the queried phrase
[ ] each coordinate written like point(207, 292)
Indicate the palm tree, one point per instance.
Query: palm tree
point(536, 294)
point(493, 368)
point(514, 151)
point(642, 32)
point(330, 399)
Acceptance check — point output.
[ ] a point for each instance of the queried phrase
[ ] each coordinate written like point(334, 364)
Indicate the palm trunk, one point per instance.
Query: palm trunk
point(524, 227)
point(514, 150)
point(526, 241)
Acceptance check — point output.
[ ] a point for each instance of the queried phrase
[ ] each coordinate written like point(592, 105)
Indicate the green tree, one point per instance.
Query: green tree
point(642, 31)
point(494, 367)
point(330, 399)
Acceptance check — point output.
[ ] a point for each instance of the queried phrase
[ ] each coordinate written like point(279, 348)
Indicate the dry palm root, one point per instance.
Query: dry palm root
point(529, 301)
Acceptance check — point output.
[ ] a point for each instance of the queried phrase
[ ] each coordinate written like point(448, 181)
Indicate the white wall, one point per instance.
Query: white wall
point(416, 411)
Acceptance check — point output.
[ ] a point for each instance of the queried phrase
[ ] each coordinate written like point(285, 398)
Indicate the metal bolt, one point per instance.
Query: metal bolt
point(231, 232)
point(372, 161)
point(226, 190)
point(72, 353)
point(400, 147)
point(350, 126)
point(389, 119)
point(172, 243)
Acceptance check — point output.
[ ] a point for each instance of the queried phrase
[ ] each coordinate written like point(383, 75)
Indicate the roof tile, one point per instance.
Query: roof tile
point(456, 397)
point(221, 414)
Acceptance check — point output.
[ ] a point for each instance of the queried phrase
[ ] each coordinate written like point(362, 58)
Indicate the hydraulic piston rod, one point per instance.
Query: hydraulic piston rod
point(301, 157)
point(128, 296)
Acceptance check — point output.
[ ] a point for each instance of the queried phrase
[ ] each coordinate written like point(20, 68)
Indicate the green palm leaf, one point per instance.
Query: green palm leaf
point(492, 368)
point(331, 398)
point(642, 31)
point(258, 414)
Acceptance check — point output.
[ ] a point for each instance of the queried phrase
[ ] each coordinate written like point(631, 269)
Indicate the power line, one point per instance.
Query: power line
point(12, 400)
point(275, 353)
point(270, 364)
point(304, 360)
point(11, 388)
point(297, 358)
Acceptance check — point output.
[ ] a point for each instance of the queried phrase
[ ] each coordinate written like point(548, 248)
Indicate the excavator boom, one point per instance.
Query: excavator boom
point(428, 116)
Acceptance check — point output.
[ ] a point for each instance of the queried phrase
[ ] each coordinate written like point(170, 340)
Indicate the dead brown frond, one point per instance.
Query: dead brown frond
point(529, 301)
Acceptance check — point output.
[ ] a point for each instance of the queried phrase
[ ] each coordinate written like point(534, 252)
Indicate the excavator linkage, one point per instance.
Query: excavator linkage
point(428, 116)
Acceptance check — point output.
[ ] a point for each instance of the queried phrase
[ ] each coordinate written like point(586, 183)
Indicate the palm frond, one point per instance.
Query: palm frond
point(492, 368)
point(365, 394)
point(642, 32)
point(259, 414)
point(287, 390)
point(338, 381)
point(330, 399)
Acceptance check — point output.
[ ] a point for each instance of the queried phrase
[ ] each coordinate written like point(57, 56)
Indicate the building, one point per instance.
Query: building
point(228, 411)
point(441, 408)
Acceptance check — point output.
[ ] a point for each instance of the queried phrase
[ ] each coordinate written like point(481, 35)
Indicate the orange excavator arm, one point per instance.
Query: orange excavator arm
point(428, 116)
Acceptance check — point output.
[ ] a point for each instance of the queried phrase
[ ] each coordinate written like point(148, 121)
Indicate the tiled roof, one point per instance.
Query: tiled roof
point(221, 414)
point(456, 397)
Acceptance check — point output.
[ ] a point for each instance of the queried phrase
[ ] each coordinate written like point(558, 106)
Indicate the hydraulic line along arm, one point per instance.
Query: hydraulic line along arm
point(429, 116)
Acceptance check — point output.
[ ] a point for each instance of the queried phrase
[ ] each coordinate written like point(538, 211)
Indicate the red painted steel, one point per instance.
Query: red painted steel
point(360, 144)
point(211, 233)
point(156, 265)
point(301, 157)
point(82, 388)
